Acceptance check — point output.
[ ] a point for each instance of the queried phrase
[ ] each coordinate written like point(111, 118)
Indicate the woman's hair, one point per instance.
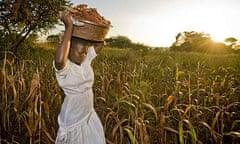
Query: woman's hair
point(83, 41)
point(80, 40)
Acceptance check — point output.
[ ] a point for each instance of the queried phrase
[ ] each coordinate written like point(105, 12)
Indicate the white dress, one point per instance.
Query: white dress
point(78, 121)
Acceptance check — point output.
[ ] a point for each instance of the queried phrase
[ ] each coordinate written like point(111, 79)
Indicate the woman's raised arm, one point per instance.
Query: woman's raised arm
point(62, 50)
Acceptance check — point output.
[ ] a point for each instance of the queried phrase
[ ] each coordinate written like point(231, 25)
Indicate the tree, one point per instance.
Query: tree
point(232, 42)
point(20, 18)
point(197, 42)
point(193, 40)
point(124, 42)
point(54, 39)
point(119, 42)
point(180, 38)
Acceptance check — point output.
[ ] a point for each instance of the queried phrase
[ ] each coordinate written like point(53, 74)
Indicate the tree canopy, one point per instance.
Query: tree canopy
point(119, 41)
point(54, 39)
point(124, 42)
point(20, 18)
point(198, 42)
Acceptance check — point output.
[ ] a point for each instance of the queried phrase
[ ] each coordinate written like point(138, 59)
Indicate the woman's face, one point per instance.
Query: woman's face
point(78, 51)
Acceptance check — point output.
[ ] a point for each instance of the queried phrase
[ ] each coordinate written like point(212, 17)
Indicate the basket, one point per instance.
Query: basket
point(89, 30)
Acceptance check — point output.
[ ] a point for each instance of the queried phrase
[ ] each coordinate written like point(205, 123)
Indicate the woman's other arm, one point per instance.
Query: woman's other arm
point(98, 46)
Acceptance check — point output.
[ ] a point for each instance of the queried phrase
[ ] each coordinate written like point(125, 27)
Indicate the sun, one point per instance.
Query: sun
point(218, 35)
point(214, 21)
point(210, 19)
point(217, 28)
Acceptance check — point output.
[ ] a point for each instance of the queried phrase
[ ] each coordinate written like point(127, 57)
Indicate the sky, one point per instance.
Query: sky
point(157, 22)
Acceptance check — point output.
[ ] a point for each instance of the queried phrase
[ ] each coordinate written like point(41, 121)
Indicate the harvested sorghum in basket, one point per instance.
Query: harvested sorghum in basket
point(82, 12)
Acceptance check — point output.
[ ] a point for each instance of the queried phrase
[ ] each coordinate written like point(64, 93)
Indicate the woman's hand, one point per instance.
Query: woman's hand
point(98, 46)
point(66, 19)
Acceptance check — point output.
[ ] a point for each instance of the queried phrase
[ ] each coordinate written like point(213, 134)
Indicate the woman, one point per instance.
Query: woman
point(78, 121)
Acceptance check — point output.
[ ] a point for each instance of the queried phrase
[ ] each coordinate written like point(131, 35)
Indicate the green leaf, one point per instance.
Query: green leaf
point(131, 135)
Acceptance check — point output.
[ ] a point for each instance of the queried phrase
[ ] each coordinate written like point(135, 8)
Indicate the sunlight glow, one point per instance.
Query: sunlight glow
point(154, 26)
point(158, 22)
point(214, 22)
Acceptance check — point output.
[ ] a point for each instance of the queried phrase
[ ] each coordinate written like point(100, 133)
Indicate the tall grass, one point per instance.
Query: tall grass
point(141, 97)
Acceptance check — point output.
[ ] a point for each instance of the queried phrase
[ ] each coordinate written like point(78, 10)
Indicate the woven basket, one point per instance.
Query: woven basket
point(89, 30)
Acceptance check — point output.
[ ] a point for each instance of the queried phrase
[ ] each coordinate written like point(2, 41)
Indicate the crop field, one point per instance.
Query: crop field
point(141, 97)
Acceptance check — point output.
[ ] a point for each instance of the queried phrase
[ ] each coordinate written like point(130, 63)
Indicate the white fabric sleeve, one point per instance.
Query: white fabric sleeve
point(91, 53)
point(60, 74)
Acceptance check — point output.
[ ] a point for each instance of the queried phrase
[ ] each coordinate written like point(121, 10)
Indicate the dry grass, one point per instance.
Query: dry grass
point(158, 97)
